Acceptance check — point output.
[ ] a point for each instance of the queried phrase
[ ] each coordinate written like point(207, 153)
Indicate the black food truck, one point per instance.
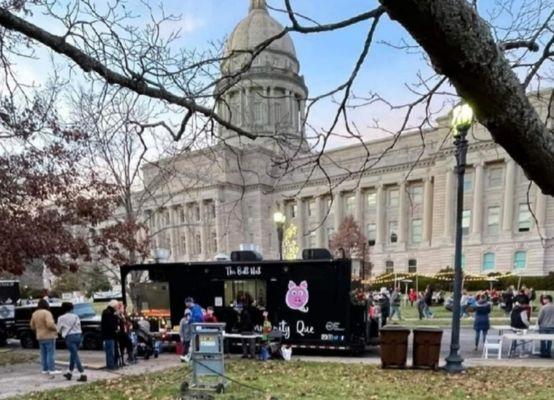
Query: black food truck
point(309, 301)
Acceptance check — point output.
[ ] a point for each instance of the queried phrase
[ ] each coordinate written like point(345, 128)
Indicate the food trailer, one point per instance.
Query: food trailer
point(309, 301)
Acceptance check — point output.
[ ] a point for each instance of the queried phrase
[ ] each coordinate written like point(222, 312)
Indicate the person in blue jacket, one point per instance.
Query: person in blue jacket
point(481, 323)
point(196, 313)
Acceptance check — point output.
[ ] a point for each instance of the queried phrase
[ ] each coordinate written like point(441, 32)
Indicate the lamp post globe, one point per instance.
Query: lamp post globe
point(279, 218)
point(462, 118)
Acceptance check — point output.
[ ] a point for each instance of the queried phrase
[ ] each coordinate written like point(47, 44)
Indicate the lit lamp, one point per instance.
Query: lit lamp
point(280, 219)
point(462, 118)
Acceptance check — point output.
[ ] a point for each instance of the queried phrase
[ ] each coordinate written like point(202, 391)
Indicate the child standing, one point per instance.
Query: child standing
point(185, 333)
point(266, 330)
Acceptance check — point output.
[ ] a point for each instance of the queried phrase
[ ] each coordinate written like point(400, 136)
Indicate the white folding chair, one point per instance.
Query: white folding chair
point(492, 342)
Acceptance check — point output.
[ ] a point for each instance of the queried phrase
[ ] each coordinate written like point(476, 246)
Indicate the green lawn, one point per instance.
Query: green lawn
point(310, 380)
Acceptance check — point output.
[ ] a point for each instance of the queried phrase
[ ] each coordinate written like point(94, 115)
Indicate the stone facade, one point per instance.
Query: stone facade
point(408, 191)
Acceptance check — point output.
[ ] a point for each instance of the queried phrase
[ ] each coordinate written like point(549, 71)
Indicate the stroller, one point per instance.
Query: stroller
point(144, 343)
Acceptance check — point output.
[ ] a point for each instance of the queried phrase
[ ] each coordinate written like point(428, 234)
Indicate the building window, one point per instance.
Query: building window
point(330, 231)
point(371, 232)
point(196, 212)
point(392, 198)
point(393, 231)
point(311, 208)
point(291, 210)
point(214, 242)
point(489, 260)
point(493, 220)
point(182, 217)
point(416, 195)
point(211, 211)
point(350, 205)
point(524, 218)
point(197, 244)
point(389, 267)
point(371, 200)
point(520, 259)
point(412, 265)
point(466, 221)
point(166, 218)
point(416, 231)
point(183, 245)
point(494, 177)
point(468, 182)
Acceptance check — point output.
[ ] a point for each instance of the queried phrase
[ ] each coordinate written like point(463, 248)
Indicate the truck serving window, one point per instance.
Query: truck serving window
point(255, 291)
point(147, 294)
point(84, 310)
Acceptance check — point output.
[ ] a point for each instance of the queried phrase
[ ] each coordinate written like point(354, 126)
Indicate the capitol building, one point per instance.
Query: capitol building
point(405, 200)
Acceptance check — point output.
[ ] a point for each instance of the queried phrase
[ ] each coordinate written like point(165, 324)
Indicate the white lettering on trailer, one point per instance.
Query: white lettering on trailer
point(243, 270)
point(302, 329)
point(285, 329)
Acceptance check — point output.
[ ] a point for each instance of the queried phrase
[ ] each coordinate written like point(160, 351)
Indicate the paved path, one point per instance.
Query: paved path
point(25, 378)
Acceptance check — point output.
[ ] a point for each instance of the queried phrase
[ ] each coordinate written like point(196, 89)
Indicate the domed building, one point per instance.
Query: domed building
point(224, 197)
point(262, 90)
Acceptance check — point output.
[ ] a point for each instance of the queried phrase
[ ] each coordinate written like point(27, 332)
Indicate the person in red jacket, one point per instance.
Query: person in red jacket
point(210, 317)
point(412, 296)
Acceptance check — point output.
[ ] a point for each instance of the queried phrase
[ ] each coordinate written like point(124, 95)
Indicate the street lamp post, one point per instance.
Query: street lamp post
point(280, 219)
point(461, 122)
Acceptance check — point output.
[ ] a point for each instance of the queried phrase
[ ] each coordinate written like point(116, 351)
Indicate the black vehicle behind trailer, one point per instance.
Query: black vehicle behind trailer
point(90, 325)
point(9, 295)
point(308, 301)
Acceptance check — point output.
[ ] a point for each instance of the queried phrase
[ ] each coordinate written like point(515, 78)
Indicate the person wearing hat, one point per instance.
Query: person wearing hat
point(109, 325)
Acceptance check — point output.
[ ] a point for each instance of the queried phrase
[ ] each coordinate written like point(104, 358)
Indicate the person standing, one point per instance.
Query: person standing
point(185, 333)
point(420, 305)
point(412, 296)
point(69, 327)
point(247, 328)
point(196, 314)
point(384, 305)
point(109, 326)
point(546, 325)
point(519, 320)
point(42, 323)
point(481, 323)
point(396, 300)
point(210, 317)
point(428, 301)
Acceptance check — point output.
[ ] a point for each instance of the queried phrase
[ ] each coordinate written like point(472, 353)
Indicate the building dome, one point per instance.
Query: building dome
point(257, 27)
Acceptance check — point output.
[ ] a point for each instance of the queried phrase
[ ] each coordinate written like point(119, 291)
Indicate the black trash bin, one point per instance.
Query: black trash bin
point(427, 347)
point(394, 346)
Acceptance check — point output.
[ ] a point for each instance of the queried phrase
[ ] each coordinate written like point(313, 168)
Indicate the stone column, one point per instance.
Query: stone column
point(508, 205)
point(402, 223)
point(337, 210)
point(219, 225)
point(359, 213)
point(173, 234)
point(189, 233)
point(540, 209)
point(320, 233)
point(294, 111)
point(203, 231)
point(302, 116)
point(449, 203)
point(242, 112)
point(477, 218)
point(380, 211)
point(301, 222)
point(247, 107)
point(427, 209)
point(268, 94)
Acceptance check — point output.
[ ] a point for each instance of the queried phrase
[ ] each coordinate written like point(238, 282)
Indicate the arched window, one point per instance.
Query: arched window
point(520, 259)
point(489, 260)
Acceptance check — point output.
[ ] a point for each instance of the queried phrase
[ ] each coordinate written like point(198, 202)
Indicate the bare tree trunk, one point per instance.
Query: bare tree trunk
point(461, 46)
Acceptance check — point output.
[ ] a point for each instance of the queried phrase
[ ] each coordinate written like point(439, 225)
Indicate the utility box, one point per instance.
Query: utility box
point(207, 358)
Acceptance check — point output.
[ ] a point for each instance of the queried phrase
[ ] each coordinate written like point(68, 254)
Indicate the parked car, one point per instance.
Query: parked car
point(90, 324)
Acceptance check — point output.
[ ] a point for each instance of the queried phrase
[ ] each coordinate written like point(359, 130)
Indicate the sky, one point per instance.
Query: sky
point(326, 59)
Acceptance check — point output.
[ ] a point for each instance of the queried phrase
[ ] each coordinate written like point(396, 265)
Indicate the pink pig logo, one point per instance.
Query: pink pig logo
point(297, 296)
